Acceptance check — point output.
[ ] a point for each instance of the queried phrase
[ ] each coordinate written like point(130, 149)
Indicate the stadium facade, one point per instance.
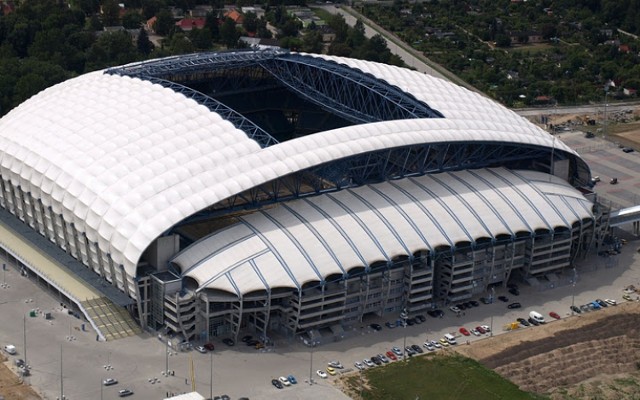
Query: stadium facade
point(269, 191)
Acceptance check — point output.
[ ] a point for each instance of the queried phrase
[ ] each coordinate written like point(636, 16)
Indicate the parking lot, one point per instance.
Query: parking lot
point(60, 344)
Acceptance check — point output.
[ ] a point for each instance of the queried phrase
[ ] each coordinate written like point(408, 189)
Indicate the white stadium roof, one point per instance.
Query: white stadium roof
point(310, 239)
point(124, 159)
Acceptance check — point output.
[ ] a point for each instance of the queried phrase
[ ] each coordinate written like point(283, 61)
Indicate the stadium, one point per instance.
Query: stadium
point(285, 193)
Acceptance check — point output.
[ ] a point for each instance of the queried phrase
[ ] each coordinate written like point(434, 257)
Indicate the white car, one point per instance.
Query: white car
point(10, 349)
point(284, 381)
point(435, 344)
point(359, 365)
point(368, 363)
point(475, 332)
point(201, 349)
point(397, 350)
point(486, 328)
point(109, 382)
point(611, 302)
point(427, 345)
point(321, 374)
point(335, 364)
point(454, 309)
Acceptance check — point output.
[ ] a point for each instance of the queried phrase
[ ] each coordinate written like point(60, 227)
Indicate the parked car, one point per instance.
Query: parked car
point(277, 383)
point(437, 313)
point(485, 300)
point(523, 322)
point(383, 358)
point(209, 346)
point(443, 342)
point(504, 299)
point(421, 318)
point(595, 305)
point(474, 303)
point(481, 330)
point(359, 365)
point(427, 345)
point(331, 370)
point(109, 382)
point(416, 348)
point(124, 392)
point(284, 380)
point(10, 349)
point(390, 325)
point(246, 338)
point(201, 349)
point(410, 351)
point(435, 344)
point(321, 374)
point(554, 314)
point(575, 309)
point(585, 308)
point(368, 363)
point(475, 332)
point(464, 331)
point(228, 341)
point(391, 355)
point(514, 291)
point(611, 302)
point(602, 303)
point(533, 322)
point(514, 305)
point(292, 379)
point(376, 327)
point(396, 350)
point(376, 360)
point(627, 297)
point(455, 309)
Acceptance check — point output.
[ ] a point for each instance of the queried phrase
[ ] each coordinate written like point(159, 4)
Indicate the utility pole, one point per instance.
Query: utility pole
point(61, 378)
point(211, 377)
point(24, 339)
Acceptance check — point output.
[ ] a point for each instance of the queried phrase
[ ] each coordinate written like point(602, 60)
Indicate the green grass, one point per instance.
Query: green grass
point(436, 377)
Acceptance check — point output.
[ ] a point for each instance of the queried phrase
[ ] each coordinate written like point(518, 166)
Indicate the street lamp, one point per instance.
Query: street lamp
point(573, 291)
point(313, 345)
point(403, 316)
point(493, 294)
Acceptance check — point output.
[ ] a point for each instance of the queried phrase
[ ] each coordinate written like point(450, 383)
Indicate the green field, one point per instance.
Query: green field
point(434, 377)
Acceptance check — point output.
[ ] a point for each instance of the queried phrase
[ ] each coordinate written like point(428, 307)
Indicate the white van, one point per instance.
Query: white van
point(537, 316)
point(450, 338)
point(10, 349)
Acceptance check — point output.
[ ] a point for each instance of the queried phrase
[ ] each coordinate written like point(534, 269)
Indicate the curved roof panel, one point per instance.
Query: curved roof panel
point(124, 159)
point(309, 239)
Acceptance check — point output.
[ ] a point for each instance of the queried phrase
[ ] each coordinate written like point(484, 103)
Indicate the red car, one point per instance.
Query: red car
point(391, 355)
point(481, 329)
point(464, 331)
point(554, 314)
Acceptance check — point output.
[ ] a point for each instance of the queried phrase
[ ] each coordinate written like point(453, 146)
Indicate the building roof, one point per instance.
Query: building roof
point(308, 240)
point(124, 159)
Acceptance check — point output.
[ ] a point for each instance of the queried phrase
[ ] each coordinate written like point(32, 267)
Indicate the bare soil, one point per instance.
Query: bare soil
point(12, 387)
point(594, 355)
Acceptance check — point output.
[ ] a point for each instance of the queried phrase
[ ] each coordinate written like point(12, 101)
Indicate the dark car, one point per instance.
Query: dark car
point(514, 291)
point(576, 309)
point(376, 327)
point(252, 342)
point(554, 314)
point(390, 325)
point(421, 318)
point(512, 286)
point(228, 341)
point(514, 305)
point(436, 313)
point(277, 383)
point(247, 338)
point(474, 303)
point(503, 299)
point(602, 303)
point(209, 346)
point(523, 322)
point(533, 322)
point(416, 348)
point(461, 306)
point(376, 360)
point(411, 321)
point(485, 300)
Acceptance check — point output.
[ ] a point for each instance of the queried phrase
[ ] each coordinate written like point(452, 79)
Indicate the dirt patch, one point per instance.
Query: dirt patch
point(566, 357)
point(12, 387)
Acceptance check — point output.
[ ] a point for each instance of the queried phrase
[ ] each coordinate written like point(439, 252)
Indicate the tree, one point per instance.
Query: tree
point(229, 35)
point(250, 23)
point(164, 23)
point(132, 20)
point(180, 44)
point(143, 44)
point(201, 38)
point(110, 13)
point(110, 49)
point(312, 42)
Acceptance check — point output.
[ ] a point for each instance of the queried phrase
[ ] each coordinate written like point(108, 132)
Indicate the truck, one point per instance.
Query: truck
point(537, 316)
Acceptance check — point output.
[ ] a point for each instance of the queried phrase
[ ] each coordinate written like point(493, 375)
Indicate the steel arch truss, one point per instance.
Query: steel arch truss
point(380, 166)
point(350, 93)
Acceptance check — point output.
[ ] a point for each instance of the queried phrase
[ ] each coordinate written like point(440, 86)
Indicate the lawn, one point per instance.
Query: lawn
point(435, 377)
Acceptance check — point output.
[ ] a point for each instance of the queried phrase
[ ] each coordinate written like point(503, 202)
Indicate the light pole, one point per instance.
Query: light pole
point(313, 345)
point(493, 293)
point(211, 377)
point(573, 291)
point(24, 339)
point(403, 316)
